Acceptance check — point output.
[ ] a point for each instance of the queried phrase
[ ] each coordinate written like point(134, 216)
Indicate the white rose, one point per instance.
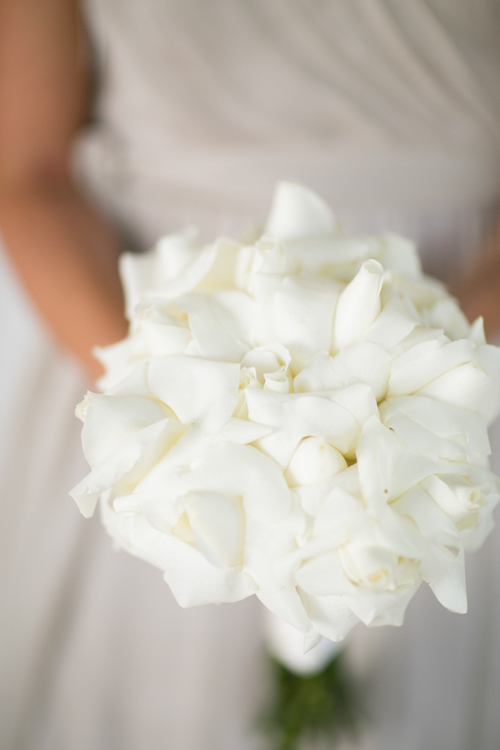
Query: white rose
point(303, 419)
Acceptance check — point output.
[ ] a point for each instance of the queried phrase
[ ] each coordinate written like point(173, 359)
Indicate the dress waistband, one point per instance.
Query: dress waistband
point(226, 191)
point(240, 178)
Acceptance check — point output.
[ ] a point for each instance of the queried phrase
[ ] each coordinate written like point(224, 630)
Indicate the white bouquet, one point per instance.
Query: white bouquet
point(303, 419)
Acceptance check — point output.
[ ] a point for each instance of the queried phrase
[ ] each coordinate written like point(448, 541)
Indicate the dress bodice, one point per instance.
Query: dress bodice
point(316, 73)
point(389, 109)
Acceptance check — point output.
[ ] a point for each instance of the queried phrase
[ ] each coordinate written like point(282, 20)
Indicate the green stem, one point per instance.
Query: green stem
point(321, 707)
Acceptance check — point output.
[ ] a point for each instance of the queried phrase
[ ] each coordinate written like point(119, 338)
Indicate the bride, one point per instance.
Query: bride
point(164, 114)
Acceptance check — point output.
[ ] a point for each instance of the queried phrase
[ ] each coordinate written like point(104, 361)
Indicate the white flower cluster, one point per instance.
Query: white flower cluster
point(303, 419)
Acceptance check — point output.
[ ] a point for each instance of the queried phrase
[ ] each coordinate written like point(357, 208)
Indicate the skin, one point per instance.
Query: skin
point(65, 254)
point(479, 290)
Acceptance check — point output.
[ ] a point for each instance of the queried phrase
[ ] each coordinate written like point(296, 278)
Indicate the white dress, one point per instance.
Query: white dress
point(390, 109)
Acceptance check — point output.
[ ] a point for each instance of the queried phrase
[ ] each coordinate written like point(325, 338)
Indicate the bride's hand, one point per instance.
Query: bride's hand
point(63, 251)
point(478, 291)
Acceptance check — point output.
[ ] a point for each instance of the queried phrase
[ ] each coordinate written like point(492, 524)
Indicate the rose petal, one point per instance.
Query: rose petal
point(330, 615)
point(363, 362)
point(418, 438)
point(432, 523)
point(400, 254)
point(111, 419)
point(301, 315)
point(446, 314)
point(220, 323)
point(287, 605)
point(422, 364)
point(222, 271)
point(219, 467)
point(218, 523)
point(242, 431)
point(175, 266)
point(295, 416)
point(272, 366)
point(358, 305)
point(336, 257)
point(444, 571)
point(455, 423)
point(298, 212)
point(314, 461)
point(324, 576)
point(382, 608)
point(131, 460)
point(197, 390)
point(467, 384)
point(391, 326)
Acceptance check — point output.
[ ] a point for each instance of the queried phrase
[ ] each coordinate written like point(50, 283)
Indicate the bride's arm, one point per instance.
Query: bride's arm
point(479, 290)
point(65, 254)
